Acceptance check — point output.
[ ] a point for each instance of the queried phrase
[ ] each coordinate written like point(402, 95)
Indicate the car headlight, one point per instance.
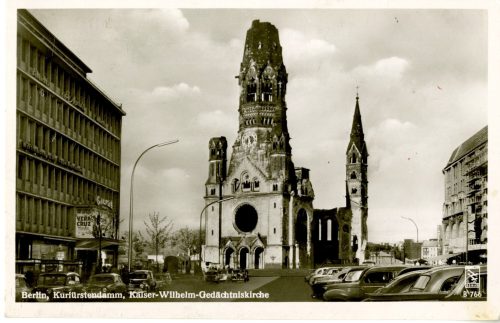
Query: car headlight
point(141, 285)
point(104, 289)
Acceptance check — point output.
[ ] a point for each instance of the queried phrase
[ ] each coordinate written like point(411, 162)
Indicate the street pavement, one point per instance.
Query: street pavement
point(189, 288)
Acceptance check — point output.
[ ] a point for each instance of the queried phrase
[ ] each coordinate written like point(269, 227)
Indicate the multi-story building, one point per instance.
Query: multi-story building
point(68, 158)
point(466, 196)
point(430, 249)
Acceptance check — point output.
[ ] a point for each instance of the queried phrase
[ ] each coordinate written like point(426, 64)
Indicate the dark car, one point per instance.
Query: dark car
point(22, 288)
point(433, 284)
point(402, 283)
point(106, 283)
point(357, 284)
point(56, 286)
point(470, 286)
point(318, 288)
point(141, 280)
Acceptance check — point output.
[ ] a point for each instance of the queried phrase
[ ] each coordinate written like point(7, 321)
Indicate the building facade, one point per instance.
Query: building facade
point(430, 249)
point(67, 158)
point(266, 217)
point(465, 208)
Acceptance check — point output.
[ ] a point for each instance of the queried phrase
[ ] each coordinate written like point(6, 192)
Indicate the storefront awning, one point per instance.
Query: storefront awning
point(93, 244)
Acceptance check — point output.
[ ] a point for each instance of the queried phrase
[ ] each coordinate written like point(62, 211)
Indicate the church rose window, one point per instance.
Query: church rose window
point(246, 218)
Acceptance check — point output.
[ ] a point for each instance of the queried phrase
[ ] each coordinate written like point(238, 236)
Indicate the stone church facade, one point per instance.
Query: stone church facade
point(266, 217)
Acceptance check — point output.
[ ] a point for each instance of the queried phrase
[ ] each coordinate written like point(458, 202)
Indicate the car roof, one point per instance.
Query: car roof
point(105, 274)
point(61, 274)
point(386, 268)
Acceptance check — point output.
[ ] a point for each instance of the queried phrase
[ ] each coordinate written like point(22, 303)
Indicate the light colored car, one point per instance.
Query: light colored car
point(320, 272)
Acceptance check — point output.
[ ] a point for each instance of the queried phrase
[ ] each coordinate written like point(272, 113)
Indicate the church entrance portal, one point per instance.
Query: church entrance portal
point(258, 258)
point(243, 258)
point(228, 257)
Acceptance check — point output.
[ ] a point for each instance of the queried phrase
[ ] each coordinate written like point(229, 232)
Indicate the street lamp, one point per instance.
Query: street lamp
point(409, 219)
point(201, 216)
point(131, 215)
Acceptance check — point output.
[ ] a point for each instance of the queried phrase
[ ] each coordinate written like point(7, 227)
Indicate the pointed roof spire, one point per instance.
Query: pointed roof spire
point(357, 135)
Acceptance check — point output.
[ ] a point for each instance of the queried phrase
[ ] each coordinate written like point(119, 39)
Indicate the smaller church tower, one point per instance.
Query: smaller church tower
point(357, 186)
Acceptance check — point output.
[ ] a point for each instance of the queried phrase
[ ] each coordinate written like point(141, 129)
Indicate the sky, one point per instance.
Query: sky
point(422, 77)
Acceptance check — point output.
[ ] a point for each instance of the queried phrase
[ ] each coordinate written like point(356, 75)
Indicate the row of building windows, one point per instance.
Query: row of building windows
point(40, 103)
point(43, 216)
point(41, 65)
point(50, 181)
point(44, 142)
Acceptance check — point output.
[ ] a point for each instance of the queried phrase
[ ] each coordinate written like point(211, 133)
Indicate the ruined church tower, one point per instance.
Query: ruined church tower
point(266, 214)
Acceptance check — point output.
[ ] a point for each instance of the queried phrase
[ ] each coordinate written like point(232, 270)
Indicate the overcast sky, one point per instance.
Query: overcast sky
point(422, 77)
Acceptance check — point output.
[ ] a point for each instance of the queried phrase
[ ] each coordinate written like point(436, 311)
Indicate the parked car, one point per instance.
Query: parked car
point(461, 292)
point(319, 273)
point(358, 283)
point(414, 268)
point(106, 283)
point(318, 288)
point(52, 284)
point(433, 284)
point(142, 280)
point(309, 274)
point(21, 287)
point(326, 274)
point(401, 284)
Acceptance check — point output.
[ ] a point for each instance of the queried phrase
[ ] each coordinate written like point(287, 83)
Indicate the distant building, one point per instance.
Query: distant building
point(430, 249)
point(466, 196)
point(68, 151)
point(411, 249)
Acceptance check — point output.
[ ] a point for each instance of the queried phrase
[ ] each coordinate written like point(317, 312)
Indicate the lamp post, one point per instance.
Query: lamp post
point(201, 217)
point(409, 219)
point(131, 215)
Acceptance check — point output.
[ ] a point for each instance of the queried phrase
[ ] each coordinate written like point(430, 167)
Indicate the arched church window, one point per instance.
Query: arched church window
point(251, 90)
point(329, 229)
point(256, 184)
point(267, 91)
point(275, 187)
point(354, 190)
point(345, 228)
point(246, 185)
point(212, 191)
point(236, 185)
point(353, 175)
point(353, 158)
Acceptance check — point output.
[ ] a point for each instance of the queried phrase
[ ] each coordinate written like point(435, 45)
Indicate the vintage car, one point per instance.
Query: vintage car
point(432, 284)
point(141, 280)
point(470, 286)
point(402, 283)
point(358, 283)
point(414, 268)
point(318, 288)
point(56, 285)
point(321, 272)
point(21, 287)
point(106, 283)
point(325, 276)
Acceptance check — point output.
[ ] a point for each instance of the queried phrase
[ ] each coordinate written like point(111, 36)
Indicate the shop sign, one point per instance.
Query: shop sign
point(86, 223)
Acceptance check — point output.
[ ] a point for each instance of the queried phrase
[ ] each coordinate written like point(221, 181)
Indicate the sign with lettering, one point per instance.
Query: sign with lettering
point(87, 224)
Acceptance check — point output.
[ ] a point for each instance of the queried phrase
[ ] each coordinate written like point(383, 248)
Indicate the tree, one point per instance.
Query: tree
point(138, 243)
point(158, 230)
point(186, 240)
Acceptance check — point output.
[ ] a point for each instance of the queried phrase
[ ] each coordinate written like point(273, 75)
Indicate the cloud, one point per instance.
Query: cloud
point(391, 68)
point(298, 47)
point(178, 90)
